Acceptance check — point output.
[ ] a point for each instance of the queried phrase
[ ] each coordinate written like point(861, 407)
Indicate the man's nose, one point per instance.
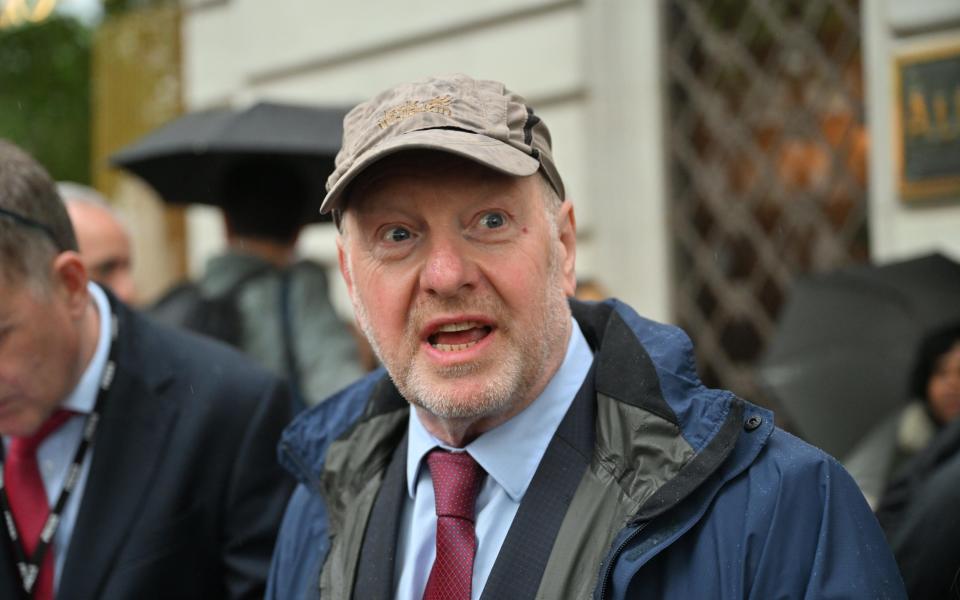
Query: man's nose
point(448, 269)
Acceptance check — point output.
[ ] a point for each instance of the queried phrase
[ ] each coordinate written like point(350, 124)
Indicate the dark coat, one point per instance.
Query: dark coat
point(919, 514)
point(184, 496)
point(682, 492)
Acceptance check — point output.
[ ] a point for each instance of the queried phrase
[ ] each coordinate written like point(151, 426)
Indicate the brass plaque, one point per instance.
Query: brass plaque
point(928, 115)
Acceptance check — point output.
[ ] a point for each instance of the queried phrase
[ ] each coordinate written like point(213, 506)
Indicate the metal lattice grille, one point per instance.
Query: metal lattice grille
point(767, 162)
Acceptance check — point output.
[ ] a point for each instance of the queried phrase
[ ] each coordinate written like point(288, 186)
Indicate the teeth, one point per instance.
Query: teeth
point(453, 347)
point(450, 327)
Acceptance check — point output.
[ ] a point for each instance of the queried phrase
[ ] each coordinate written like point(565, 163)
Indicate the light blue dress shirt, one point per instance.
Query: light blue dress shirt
point(510, 455)
point(56, 452)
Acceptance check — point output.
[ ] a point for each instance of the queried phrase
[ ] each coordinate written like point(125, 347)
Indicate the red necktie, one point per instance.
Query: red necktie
point(456, 481)
point(28, 500)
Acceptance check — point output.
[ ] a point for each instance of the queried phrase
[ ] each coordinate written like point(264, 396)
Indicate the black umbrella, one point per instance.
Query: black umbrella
point(845, 342)
point(185, 159)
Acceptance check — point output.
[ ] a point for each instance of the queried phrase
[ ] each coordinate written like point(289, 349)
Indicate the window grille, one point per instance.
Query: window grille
point(767, 165)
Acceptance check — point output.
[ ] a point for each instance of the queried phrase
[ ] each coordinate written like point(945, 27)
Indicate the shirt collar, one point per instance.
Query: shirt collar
point(511, 452)
point(84, 396)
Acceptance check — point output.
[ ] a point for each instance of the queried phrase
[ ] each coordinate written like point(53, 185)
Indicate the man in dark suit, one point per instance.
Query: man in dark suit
point(138, 462)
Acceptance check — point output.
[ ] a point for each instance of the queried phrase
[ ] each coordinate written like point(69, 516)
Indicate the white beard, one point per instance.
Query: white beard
point(527, 357)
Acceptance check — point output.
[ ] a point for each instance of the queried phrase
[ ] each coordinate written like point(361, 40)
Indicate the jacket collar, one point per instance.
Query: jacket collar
point(304, 443)
point(651, 366)
point(640, 363)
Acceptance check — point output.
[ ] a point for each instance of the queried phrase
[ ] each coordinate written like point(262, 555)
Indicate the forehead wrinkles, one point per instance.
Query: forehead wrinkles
point(423, 167)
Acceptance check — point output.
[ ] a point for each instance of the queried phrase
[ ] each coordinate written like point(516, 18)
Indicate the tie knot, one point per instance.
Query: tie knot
point(456, 482)
point(27, 445)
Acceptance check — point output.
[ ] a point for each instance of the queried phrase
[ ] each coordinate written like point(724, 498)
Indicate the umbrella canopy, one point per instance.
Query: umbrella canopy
point(185, 159)
point(841, 357)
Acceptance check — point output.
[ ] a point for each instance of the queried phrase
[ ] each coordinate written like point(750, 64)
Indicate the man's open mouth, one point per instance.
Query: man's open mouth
point(452, 337)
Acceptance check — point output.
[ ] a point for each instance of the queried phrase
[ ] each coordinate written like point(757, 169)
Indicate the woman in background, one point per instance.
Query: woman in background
point(935, 393)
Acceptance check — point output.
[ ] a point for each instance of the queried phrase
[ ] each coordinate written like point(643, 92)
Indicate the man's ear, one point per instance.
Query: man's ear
point(70, 281)
point(344, 267)
point(567, 230)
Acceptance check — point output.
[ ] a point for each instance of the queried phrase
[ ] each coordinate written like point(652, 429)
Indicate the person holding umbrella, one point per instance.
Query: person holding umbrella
point(934, 390)
point(264, 166)
point(918, 509)
point(840, 359)
point(920, 518)
point(258, 296)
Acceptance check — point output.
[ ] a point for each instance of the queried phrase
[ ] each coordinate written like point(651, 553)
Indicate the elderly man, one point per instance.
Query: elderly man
point(103, 239)
point(138, 462)
point(520, 445)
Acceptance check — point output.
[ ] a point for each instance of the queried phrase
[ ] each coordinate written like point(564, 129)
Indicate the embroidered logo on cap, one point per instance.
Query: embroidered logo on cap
point(440, 105)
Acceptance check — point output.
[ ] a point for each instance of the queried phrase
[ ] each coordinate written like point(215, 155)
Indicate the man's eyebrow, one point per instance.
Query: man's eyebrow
point(380, 209)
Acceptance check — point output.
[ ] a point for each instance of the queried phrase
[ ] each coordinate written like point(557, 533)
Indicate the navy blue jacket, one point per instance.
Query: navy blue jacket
point(738, 507)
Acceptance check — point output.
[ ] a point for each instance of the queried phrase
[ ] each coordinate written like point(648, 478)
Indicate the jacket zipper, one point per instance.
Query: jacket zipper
point(608, 571)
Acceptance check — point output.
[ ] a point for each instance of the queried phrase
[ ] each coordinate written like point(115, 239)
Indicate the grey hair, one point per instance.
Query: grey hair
point(27, 190)
point(551, 198)
point(77, 192)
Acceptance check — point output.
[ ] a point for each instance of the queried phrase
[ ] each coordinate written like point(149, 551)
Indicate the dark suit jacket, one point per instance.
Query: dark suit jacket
point(184, 496)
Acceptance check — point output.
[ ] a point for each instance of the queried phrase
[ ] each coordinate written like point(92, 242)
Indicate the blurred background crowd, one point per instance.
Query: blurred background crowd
point(781, 179)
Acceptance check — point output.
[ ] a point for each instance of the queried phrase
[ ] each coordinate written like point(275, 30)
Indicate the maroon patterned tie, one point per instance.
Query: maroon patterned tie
point(456, 481)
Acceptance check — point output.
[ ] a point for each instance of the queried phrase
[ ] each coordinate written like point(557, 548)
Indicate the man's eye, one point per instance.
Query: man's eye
point(493, 220)
point(396, 234)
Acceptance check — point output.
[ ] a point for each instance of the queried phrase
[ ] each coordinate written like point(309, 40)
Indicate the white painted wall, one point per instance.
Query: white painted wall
point(901, 229)
point(590, 67)
point(234, 42)
point(626, 169)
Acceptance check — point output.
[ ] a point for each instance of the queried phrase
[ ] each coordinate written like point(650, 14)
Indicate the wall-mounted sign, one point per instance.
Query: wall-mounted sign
point(928, 113)
point(18, 12)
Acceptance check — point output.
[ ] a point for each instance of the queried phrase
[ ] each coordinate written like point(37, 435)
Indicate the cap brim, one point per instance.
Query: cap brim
point(479, 148)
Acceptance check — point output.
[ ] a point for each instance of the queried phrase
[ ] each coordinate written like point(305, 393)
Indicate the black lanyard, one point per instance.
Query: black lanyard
point(29, 567)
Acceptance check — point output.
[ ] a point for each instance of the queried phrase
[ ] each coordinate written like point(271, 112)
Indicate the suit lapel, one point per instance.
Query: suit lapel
point(127, 449)
point(9, 578)
point(378, 556)
point(519, 567)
